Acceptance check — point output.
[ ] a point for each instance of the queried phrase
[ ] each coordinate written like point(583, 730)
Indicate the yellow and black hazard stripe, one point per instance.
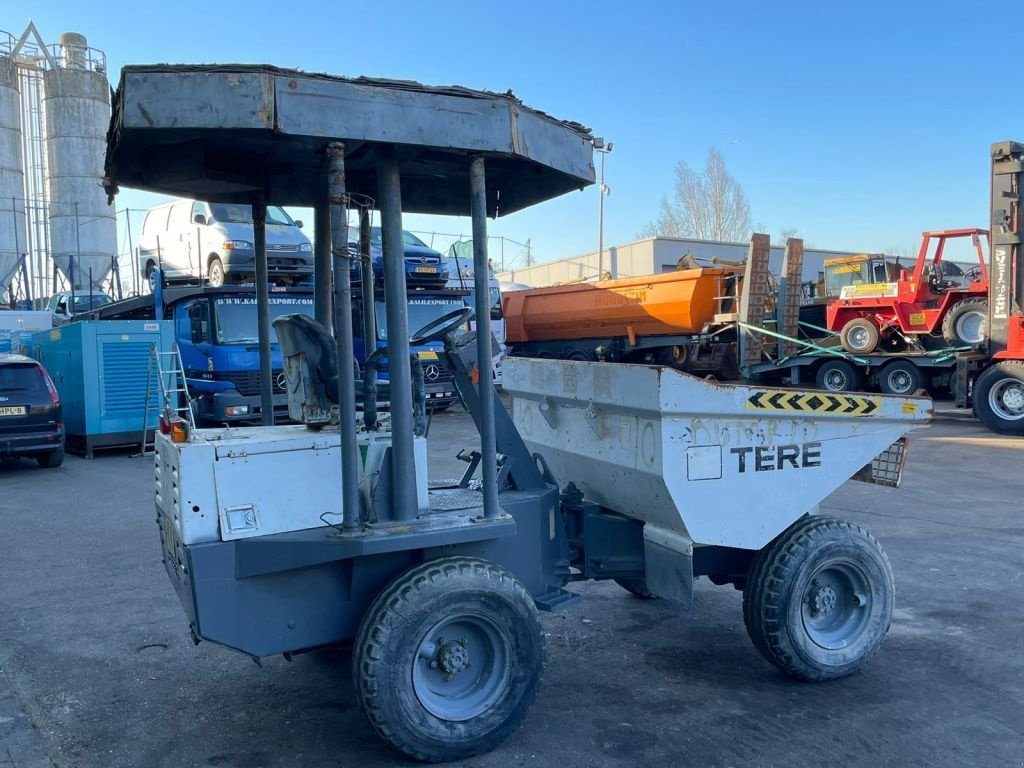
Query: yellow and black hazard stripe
point(813, 402)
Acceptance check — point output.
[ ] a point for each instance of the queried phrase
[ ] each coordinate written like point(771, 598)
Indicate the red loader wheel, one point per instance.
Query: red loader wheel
point(860, 336)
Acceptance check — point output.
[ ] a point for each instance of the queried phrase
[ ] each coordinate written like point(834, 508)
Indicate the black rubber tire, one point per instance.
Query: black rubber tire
point(860, 323)
point(215, 275)
point(401, 618)
point(637, 588)
point(958, 310)
point(1001, 373)
point(51, 460)
point(900, 377)
point(781, 577)
point(829, 373)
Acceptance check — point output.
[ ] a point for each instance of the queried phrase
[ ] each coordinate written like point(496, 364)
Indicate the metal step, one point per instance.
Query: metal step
point(557, 600)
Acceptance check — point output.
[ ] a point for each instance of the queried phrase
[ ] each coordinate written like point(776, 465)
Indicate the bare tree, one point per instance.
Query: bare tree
point(784, 235)
point(707, 206)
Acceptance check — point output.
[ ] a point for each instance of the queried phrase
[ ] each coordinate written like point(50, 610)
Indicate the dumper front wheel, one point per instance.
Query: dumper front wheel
point(819, 599)
point(449, 659)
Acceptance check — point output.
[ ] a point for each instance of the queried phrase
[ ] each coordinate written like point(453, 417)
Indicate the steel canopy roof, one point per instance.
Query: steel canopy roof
point(226, 132)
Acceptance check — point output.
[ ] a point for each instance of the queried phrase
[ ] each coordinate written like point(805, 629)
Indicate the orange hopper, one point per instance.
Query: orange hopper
point(649, 305)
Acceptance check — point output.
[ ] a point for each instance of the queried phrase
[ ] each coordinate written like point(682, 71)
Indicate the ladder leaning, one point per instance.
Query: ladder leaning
point(165, 377)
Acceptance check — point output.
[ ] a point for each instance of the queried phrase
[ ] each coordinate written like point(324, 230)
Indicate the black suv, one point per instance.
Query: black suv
point(31, 422)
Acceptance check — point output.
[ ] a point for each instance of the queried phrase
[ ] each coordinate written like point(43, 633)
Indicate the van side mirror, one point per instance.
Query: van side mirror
point(298, 223)
point(199, 219)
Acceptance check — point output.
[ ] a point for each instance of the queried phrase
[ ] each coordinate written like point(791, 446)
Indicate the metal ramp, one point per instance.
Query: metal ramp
point(754, 297)
point(788, 310)
point(165, 376)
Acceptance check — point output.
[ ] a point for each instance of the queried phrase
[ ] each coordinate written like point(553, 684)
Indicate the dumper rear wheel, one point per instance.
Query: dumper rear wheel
point(819, 599)
point(449, 659)
point(637, 588)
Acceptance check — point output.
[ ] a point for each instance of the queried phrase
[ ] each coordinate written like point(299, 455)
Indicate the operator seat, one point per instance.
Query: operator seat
point(300, 334)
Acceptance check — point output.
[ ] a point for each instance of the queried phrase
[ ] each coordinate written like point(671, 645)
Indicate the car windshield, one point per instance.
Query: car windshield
point(239, 213)
point(236, 316)
point(421, 312)
point(86, 302)
point(21, 377)
point(408, 238)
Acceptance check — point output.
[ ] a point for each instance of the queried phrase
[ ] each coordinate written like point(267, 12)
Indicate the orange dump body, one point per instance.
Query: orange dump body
point(649, 305)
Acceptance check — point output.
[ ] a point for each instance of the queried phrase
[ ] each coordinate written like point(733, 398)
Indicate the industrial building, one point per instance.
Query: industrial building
point(654, 255)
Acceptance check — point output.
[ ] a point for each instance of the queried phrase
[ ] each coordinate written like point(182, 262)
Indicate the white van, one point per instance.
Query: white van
point(193, 240)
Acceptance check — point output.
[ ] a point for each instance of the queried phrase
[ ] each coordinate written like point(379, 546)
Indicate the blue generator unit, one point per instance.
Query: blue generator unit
point(103, 370)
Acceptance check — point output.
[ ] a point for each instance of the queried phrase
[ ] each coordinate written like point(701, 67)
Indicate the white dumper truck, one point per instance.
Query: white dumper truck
point(281, 539)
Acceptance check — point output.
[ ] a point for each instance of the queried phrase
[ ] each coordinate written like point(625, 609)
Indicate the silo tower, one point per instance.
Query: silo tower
point(12, 171)
point(76, 99)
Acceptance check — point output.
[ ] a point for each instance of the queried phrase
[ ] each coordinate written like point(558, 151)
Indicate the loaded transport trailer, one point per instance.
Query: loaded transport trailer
point(731, 323)
point(287, 538)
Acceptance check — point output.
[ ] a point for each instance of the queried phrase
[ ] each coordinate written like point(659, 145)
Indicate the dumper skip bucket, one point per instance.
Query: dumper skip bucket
point(712, 463)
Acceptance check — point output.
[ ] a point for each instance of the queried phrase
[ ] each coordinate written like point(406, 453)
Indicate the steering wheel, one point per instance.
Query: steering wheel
point(437, 329)
point(974, 273)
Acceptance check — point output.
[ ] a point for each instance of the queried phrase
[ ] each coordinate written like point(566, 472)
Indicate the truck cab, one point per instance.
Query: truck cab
point(847, 276)
point(424, 307)
point(218, 337)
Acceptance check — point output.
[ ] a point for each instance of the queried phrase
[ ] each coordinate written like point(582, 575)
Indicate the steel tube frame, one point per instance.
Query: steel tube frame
point(322, 264)
point(485, 387)
point(367, 281)
point(259, 242)
point(403, 461)
point(350, 503)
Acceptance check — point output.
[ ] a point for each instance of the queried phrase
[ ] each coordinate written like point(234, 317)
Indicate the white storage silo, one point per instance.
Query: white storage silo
point(12, 171)
point(76, 99)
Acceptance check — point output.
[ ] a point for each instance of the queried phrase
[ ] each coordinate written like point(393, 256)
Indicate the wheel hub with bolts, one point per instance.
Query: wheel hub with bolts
point(836, 604)
point(462, 667)
point(822, 599)
point(453, 657)
point(836, 381)
point(900, 381)
point(1013, 398)
point(859, 338)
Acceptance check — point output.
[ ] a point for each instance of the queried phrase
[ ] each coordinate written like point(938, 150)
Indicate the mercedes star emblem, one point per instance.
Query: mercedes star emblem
point(431, 372)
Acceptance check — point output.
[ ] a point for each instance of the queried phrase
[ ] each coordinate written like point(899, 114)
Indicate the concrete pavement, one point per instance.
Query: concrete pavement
point(99, 670)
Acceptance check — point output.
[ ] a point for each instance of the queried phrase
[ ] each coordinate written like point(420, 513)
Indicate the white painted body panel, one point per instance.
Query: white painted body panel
point(664, 447)
point(227, 484)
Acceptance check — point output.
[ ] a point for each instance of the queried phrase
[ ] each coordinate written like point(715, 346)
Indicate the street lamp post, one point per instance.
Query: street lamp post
point(603, 148)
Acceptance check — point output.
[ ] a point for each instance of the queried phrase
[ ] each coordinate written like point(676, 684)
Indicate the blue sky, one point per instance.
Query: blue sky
point(859, 124)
